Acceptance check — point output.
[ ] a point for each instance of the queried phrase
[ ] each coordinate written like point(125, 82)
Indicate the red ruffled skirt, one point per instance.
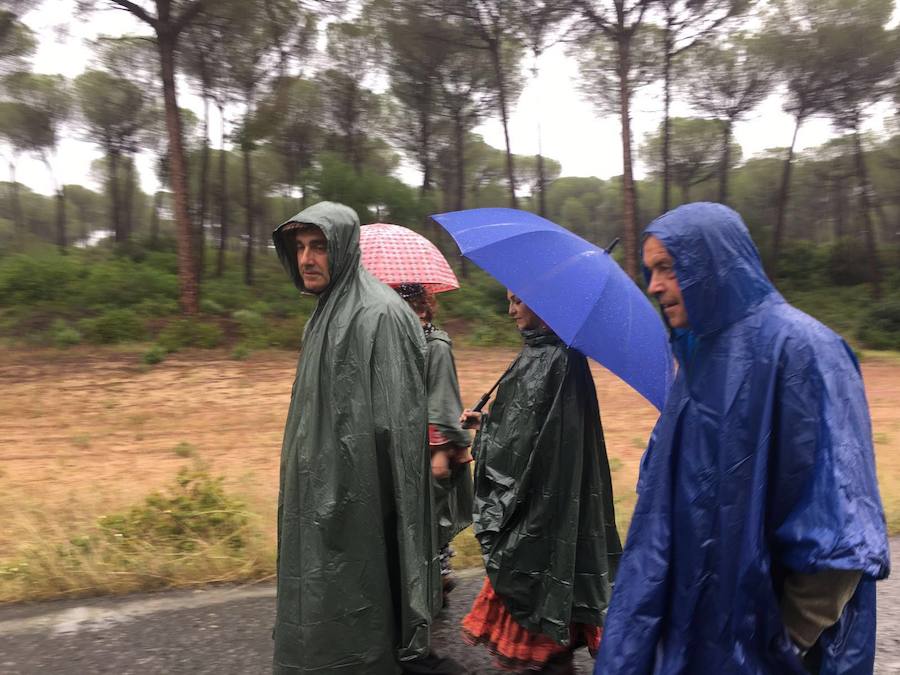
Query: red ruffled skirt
point(514, 647)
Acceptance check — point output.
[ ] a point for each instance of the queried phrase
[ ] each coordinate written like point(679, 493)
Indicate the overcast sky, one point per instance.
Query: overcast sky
point(572, 132)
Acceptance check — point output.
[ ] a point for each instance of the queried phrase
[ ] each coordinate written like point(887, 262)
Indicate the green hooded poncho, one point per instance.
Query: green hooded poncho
point(453, 495)
point(357, 568)
point(543, 494)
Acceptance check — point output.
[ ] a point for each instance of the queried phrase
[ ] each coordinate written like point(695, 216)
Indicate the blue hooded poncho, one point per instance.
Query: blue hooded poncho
point(761, 464)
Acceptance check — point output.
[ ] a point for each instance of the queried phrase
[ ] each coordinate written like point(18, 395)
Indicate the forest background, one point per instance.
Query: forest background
point(350, 101)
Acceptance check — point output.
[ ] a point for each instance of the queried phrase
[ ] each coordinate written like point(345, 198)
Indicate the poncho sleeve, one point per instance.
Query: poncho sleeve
point(444, 402)
point(824, 505)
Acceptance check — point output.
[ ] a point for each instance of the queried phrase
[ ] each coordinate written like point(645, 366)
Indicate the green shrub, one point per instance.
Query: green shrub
point(156, 354)
point(240, 352)
point(184, 333)
point(848, 262)
point(195, 509)
point(125, 283)
point(251, 327)
point(184, 449)
point(36, 280)
point(155, 307)
point(286, 333)
point(801, 263)
point(880, 326)
point(839, 308)
point(208, 306)
point(257, 332)
point(493, 331)
point(112, 326)
point(63, 335)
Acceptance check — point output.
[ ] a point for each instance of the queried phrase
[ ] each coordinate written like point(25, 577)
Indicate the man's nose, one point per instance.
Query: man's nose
point(655, 286)
point(304, 257)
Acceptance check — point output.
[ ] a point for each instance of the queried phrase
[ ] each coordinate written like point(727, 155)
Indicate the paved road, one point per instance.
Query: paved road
point(227, 631)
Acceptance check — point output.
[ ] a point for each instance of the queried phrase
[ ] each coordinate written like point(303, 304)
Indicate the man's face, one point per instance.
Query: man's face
point(663, 284)
point(312, 259)
point(524, 317)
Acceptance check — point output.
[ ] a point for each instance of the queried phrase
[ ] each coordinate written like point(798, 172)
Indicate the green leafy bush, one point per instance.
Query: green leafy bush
point(880, 326)
point(125, 283)
point(251, 327)
point(184, 333)
point(240, 352)
point(195, 509)
point(112, 326)
point(848, 262)
point(801, 263)
point(156, 354)
point(36, 280)
point(208, 306)
point(63, 335)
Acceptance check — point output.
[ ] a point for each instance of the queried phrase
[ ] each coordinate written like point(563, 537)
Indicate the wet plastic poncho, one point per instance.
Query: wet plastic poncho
point(543, 495)
point(761, 464)
point(453, 495)
point(357, 567)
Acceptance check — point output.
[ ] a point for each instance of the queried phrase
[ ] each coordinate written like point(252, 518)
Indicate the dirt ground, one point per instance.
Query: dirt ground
point(87, 432)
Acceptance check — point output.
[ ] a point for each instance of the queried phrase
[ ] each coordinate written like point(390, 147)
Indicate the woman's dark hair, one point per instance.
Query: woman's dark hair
point(419, 298)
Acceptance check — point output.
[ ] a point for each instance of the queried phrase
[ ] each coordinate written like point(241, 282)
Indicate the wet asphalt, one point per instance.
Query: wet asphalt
point(227, 631)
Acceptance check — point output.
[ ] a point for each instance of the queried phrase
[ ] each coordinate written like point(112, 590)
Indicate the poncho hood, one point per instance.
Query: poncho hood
point(717, 265)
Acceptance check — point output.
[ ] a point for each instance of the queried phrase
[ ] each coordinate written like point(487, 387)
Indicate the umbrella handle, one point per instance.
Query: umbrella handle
point(482, 401)
point(612, 245)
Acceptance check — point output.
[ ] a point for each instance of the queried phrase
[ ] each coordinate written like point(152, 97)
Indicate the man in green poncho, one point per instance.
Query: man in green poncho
point(357, 567)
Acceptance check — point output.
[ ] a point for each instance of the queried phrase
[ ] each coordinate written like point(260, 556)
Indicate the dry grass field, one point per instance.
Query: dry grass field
point(86, 433)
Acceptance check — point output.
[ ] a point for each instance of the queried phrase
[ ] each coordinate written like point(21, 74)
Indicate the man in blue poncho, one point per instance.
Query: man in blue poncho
point(758, 533)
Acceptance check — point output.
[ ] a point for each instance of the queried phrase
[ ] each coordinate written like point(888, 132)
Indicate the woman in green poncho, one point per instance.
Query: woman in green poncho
point(543, 508)
point(448, 441)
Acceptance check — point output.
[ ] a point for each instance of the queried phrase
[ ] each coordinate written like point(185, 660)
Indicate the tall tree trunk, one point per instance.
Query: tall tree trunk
point(261, 217)
point(223, 197)
point(154, 217)
point(726, 163)
point(128, 198)
point(425, 159)
point(459, 141)
point(840, 207)
point(16, 202)
point(200, 238)
point(504, 116)
point(542, 181)
point(248, 207)
point(783, 193)
point(187, 272)
point(862, 175)
point(629, 199)
point(115, 205)
point(61, 240)
point(667, 103)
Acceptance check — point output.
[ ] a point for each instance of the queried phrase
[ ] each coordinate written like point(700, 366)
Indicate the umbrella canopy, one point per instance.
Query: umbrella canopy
point(397, 255)
point(575, 287)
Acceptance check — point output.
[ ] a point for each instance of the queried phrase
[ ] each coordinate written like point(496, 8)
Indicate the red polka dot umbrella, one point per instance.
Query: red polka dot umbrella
point(397, 255)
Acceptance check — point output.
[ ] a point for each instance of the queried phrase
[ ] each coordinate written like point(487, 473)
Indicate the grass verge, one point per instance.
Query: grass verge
point(190, 534)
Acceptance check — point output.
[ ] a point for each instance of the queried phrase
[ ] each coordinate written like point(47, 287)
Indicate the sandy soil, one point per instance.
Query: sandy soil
point(86, 432)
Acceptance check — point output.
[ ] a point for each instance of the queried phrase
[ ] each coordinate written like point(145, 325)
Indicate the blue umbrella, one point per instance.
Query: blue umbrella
point(576, 288)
